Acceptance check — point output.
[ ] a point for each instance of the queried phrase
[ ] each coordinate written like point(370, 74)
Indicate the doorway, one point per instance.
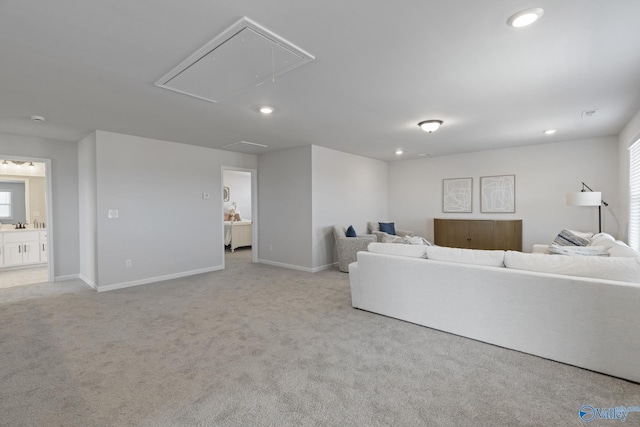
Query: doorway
point(25, 220)
point(239, 214)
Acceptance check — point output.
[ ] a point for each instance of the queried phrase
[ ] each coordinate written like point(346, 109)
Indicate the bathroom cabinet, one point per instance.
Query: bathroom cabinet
point(22, 247)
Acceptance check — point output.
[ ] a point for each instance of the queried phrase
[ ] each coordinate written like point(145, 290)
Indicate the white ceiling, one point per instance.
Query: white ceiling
point(381, 67)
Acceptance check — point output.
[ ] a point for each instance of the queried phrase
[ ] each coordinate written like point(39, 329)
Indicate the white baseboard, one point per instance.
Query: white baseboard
point(156, 279)
point(297, 267)
point(88, 282)
point(65, 278)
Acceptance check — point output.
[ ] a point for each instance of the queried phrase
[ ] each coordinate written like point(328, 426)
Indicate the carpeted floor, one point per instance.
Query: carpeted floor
point(257, 345)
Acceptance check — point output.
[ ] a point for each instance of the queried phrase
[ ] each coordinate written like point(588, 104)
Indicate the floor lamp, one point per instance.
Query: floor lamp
point(588, 197)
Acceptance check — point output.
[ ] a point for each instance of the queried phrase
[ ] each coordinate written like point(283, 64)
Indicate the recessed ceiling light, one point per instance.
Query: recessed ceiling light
point(425, 154)
point(38, 119)
point(430, 125)
point(399, 151)
point(266, 109)
point(525, 17)
point(550, 131)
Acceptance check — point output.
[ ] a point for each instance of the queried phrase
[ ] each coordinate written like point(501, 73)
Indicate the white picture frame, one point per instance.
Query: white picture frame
point(498, 194)
point(457, 195)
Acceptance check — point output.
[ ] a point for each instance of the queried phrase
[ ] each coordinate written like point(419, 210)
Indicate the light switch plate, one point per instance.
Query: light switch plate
point(113, 213)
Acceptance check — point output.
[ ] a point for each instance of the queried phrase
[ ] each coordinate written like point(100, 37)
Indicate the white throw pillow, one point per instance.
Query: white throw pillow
point(602, 239)
point(466, 256)
point(624, 269)
point(412, 251)
point(390, 238)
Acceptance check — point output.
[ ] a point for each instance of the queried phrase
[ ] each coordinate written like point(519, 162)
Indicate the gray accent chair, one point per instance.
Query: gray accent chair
point(381, 236)
point(347, 248)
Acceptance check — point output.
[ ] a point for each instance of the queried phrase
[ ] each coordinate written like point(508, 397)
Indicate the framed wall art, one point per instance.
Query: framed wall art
point(457, 195)
point(498, 194)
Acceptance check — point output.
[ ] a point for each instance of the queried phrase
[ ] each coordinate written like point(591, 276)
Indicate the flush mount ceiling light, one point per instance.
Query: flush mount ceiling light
point(266, 109)
point(525, 17)
point(430, 125)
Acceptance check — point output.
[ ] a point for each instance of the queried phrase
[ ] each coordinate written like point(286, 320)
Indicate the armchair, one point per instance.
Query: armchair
point(348, 247)
point(381, 236)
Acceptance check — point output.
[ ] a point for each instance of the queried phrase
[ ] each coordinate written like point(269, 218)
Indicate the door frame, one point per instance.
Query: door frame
point(48, 203)
point(254, 209)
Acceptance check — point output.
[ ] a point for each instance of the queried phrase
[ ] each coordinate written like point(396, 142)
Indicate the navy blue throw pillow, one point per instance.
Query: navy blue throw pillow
point(388, 227)
point(351, 232)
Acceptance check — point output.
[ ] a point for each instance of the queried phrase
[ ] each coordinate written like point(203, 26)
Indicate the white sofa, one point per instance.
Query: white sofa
point(588, 322)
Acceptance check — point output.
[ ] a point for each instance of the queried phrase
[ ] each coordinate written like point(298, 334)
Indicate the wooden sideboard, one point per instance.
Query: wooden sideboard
point(478, 233)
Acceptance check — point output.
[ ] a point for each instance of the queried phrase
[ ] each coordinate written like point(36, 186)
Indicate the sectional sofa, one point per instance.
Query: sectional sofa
point(570, 311)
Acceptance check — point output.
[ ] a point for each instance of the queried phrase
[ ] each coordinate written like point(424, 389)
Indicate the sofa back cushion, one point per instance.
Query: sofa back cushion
point(624, 269)
point(466, 256)
point(622, 249)
point(413, 251)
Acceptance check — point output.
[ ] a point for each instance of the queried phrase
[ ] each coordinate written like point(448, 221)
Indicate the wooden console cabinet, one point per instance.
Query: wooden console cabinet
point(478, 233)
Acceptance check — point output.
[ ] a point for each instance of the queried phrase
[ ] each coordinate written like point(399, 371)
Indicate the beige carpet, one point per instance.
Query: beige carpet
point(257, 345)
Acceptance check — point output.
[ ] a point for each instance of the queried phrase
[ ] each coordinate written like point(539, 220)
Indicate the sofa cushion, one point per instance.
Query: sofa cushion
point(620, 248)
point(388, 227)
point(568, 238)
point(610, 268)
point(351, 232)
point(466, 256)
point(413, 251)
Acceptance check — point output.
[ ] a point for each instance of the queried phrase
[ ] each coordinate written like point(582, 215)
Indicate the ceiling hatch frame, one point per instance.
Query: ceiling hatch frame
point(202, 61)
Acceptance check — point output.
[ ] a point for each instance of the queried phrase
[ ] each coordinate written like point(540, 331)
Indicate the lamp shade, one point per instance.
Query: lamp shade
point(584, 198)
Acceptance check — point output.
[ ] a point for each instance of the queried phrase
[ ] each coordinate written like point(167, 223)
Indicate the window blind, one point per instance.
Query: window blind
point(634, 195)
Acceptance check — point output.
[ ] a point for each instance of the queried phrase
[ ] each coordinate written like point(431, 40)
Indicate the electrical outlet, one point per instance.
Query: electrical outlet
point(112, 213)
point(127, 263)
point(206, 196)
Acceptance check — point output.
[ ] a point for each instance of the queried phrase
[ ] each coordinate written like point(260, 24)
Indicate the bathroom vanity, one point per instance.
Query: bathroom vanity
point(23, 247)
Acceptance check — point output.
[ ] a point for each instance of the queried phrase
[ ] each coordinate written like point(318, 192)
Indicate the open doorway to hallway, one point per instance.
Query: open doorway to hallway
point(239, 209)
point(24, 222)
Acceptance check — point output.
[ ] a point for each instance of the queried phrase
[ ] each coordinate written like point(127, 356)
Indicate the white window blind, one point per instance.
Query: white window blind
point(5, 204)
point(634, 195)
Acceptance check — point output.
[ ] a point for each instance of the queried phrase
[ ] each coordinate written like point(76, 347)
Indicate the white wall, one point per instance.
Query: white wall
point(629, 134)
point(347, 190)
point(544, 174)
point(239, 183)
point(64, 176)
point(285, 209)
point(87, 196)
point(165, 227)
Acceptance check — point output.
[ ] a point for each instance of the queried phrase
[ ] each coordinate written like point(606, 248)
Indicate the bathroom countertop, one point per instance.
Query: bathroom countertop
point(10, 228)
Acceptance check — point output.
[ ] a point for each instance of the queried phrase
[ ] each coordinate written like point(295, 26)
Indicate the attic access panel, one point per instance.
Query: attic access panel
point(245, 55)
